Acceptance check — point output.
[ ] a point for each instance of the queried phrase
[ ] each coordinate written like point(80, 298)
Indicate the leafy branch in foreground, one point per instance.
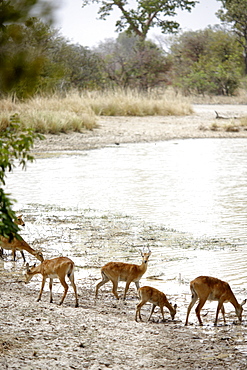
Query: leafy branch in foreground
point(15, 145)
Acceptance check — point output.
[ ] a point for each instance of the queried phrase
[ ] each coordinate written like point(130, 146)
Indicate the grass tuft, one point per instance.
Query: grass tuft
point(234, 125)
point(243, 122)
point(77, 112)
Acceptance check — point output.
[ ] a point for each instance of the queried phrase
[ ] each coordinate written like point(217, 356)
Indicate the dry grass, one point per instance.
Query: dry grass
point(134, 103)
point(232, 125)
point(239, 98)
point(78, 112)
point(243, 122)
point(50, 114)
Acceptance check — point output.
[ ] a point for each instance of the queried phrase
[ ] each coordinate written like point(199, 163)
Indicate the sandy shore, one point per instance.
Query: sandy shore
point(118, 130)
point(103, 334)
point(40, 335)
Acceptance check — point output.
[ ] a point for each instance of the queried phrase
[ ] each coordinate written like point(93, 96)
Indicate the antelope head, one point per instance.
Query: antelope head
point(39, 255)
point(28, 275)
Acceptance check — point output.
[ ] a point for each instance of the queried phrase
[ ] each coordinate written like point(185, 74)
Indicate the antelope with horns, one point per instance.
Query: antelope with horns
point(120, 271)
point(209, 288)
point(19, 244)
point(54, 268)
point(157, 298)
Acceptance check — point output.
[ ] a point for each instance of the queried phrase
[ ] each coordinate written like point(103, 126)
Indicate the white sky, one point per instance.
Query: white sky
point(81, 25)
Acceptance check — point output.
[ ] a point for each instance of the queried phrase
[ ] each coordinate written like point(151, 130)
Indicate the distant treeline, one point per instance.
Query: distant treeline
point(36, 59)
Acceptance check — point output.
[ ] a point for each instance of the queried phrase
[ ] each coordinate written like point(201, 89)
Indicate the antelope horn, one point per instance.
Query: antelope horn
point(146, 249)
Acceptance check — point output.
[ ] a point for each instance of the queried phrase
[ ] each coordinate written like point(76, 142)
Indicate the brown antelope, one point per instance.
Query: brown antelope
point(18, 221)
point(120, 271)
point(54, 268)
point(209, 288)
point(17, 244)
point(157, 298)
point(20, 245)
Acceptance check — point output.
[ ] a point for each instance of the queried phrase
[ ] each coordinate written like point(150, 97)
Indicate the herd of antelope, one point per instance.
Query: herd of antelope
point(202, 288)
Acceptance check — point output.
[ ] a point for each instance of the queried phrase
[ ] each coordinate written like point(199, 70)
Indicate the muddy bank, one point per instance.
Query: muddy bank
point(103, 334)
point(118, 130)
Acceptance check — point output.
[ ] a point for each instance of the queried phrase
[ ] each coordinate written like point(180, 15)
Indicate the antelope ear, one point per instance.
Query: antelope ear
point(27, 266)
point(244, 301)
point(175, 306)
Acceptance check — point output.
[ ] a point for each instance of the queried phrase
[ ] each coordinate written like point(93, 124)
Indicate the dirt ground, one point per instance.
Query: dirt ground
point(40, 335)
point(119, 130)
point(103, 334)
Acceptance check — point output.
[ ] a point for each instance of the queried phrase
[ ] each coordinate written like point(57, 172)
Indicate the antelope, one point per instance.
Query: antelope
point(157, 298)
point(209, 288)
point(54, 268)
point(18, 244)
point(120, 271)
point(17, 221)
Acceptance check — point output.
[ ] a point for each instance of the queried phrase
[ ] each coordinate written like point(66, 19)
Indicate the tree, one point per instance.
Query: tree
point(14, 144)
point(39, 60)
point(207, 61)
point(131, 63)
point(234, 13)
point(14, 148)
point(144, 15)
point(19, 64)
point(83, 67)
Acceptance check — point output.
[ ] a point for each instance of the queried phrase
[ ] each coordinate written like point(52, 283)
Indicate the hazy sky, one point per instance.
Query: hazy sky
point(80, 25)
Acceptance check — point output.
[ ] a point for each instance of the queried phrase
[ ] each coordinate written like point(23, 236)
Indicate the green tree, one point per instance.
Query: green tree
point(45, 43)
point(14, 149)
point(207, 61)
point(234, 13)
point(144, 15)
point(14, 144)
point(19, 65)
point(54, 63)
point(83, 67)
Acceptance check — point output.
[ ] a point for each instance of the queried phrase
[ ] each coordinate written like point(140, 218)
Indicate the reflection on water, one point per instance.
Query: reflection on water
point(197, 186)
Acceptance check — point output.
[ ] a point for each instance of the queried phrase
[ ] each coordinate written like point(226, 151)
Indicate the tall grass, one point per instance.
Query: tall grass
point(77, 112)
point(50, 114)
point(134, 103)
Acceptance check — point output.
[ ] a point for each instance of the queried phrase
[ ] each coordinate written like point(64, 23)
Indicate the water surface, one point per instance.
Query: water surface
point(197, 186)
